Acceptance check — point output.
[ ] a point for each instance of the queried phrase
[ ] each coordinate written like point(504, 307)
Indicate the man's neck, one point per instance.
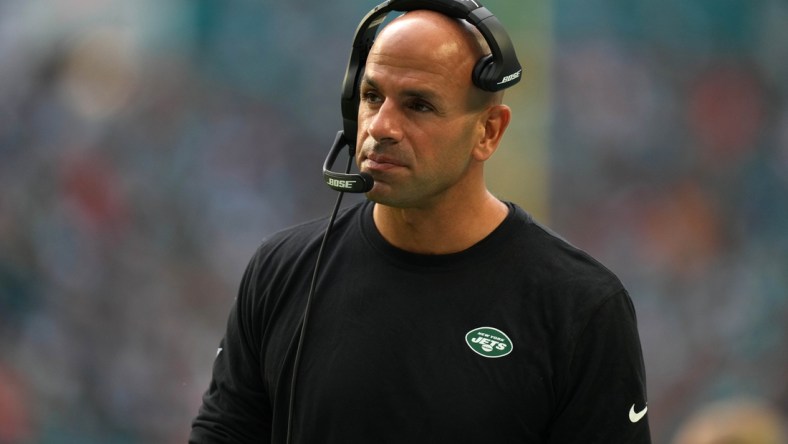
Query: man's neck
point(442, 229)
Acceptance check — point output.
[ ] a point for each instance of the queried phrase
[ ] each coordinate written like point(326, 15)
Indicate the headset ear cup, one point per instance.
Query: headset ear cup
point(481, 72)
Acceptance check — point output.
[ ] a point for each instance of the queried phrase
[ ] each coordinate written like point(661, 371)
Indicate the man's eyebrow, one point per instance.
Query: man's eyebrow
point(366, 81)
point(418, 93)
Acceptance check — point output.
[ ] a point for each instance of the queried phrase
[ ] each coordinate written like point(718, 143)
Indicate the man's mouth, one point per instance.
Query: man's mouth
point(379, 162)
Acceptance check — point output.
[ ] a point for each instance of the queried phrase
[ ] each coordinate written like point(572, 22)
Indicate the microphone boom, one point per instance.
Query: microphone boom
point(344, 182)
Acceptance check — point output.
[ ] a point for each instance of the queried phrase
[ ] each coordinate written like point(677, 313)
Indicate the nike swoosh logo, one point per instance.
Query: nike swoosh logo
point(636, 416)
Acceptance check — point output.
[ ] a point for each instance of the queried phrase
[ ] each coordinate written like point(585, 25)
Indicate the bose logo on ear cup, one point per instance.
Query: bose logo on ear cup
point(511, 77)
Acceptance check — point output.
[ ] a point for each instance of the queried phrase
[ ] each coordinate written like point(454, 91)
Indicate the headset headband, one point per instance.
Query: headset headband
point(495, 72)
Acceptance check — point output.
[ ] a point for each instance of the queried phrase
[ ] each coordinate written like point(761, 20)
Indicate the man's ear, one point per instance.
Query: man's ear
point(495, 120)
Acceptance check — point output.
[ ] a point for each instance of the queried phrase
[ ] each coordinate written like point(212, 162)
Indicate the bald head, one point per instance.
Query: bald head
point(445, 44)
point(457, 30)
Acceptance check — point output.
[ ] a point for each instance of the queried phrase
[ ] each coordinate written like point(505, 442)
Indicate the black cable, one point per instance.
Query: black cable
point(302, 328)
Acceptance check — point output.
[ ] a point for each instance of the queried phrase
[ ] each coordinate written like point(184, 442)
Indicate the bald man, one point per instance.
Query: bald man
point(425, 133)
point(444, 315)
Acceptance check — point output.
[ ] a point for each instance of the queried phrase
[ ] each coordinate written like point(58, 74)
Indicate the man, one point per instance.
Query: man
point(441, 315)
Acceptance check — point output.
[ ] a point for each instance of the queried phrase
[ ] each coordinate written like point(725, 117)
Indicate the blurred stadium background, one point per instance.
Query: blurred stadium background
point(147, 147)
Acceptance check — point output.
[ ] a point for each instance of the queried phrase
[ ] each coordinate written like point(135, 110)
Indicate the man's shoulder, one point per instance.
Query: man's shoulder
point(564, 267)
point(305, 235)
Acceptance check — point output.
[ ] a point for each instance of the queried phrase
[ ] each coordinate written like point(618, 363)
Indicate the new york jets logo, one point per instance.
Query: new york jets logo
point(489, 342)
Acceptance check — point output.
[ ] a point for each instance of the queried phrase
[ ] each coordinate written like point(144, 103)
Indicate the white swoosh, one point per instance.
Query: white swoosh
point(636, 416)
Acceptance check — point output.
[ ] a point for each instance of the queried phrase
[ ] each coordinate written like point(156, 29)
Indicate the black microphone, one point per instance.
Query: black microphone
point(345, 182)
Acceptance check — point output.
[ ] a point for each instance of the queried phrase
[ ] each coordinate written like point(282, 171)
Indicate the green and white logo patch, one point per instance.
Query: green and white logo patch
point(489, 342)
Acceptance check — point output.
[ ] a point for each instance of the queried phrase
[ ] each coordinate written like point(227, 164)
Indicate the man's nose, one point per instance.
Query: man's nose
point(386, 123)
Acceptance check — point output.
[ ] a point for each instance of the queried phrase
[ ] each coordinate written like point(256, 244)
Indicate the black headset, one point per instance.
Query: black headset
point(492, 72)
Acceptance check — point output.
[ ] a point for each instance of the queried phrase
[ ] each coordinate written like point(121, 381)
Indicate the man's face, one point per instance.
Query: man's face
point(417, 120)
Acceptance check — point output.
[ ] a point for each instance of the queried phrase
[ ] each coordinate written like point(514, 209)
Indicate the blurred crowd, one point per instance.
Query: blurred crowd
point(146, 148)
point(670, 162)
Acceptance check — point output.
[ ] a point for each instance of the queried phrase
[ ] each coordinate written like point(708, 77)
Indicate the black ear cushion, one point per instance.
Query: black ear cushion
point(481, 72)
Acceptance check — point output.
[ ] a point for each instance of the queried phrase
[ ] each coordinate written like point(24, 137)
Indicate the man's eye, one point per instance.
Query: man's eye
point(370, 97)
point(420, 106)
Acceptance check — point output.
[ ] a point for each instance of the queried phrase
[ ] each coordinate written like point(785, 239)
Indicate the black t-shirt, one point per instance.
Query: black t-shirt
point(521, 338)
